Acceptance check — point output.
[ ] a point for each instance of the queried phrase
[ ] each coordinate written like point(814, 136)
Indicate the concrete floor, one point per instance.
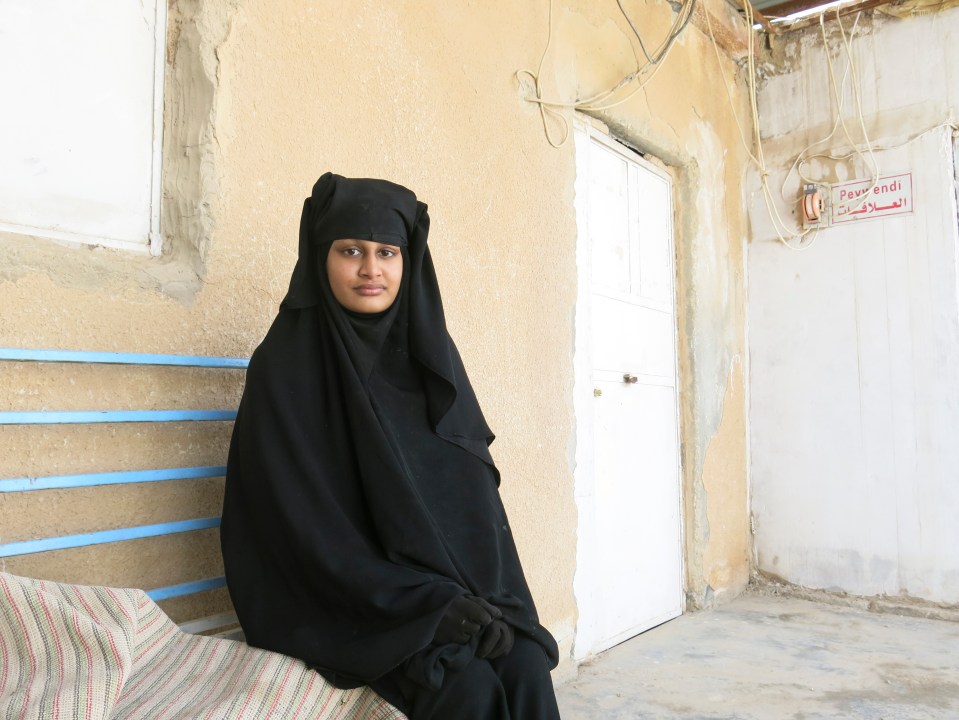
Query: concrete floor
point(768, 657)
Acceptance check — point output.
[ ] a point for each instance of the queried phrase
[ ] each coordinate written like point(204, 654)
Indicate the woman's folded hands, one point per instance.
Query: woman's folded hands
point(469, 616)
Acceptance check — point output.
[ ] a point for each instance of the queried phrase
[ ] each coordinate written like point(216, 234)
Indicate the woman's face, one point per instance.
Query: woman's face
point(364, 275)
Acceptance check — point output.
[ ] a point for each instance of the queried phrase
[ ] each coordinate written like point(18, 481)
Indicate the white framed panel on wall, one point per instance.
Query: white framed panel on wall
point(81, 140)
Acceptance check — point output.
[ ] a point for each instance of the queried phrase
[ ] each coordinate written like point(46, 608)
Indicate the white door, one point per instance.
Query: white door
point(629, 574)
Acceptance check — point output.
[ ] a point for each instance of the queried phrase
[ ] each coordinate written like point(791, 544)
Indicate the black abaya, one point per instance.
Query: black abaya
point(361, 498)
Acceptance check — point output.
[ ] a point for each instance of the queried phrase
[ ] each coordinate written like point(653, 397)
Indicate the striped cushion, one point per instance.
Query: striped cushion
point(70, 651)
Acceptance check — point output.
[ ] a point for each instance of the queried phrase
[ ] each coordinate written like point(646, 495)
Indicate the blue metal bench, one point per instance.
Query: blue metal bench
point(54, 482)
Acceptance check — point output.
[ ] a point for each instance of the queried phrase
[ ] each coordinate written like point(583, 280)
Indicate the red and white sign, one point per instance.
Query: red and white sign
point(861, 200)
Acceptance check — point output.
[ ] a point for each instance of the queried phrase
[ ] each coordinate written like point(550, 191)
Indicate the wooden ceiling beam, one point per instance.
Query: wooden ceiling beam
point(789, 7)
point(758, 17)
point(831, 14)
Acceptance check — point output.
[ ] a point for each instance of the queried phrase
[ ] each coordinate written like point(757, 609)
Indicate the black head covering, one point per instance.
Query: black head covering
point(361, 496)
point(359, 209)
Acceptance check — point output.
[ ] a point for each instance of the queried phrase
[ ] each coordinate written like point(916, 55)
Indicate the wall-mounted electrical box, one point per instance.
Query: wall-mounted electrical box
point(814, 206)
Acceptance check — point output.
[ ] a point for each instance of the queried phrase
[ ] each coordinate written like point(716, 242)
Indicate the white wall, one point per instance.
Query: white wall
point(854, 343)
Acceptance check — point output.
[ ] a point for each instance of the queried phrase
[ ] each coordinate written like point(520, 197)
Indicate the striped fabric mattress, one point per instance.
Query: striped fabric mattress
point(86, 653)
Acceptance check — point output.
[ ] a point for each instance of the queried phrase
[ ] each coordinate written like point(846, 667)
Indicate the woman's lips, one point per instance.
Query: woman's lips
point(370, 290)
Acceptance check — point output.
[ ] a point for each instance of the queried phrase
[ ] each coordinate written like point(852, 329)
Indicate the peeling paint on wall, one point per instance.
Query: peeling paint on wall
point(726, 557)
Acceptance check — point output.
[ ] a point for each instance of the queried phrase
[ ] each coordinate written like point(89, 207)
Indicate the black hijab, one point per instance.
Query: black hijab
point(361, 498)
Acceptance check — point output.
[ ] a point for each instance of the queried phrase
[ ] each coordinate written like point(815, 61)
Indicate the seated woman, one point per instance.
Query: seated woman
point(363, 530)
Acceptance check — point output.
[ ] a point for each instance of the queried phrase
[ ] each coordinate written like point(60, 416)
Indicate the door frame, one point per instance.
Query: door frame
point(585, 584)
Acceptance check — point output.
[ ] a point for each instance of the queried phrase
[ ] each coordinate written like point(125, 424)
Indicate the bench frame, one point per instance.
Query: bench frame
point(53, 417)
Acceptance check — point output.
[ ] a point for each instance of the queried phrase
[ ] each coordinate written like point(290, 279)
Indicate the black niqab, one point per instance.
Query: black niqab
point(361, 498)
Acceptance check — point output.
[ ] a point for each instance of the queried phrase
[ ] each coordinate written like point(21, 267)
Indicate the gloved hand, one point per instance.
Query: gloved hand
point(494, 611)
point(496, 640)
point(465, 617)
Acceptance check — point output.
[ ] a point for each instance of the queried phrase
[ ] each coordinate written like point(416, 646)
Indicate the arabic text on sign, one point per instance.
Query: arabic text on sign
point(861, 200)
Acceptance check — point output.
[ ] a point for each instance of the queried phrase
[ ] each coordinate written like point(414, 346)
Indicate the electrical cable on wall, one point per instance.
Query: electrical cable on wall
point(856, 93)
point(642, 45)
point(857, 149)
point(883, 148)
point(729, 97)
point(812, 201)
point(801, 158)
point(783, 231)
point(682, 20)
point(553, 108)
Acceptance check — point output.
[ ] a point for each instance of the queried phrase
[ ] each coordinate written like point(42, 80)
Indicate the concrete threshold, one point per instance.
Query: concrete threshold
point(766, 657)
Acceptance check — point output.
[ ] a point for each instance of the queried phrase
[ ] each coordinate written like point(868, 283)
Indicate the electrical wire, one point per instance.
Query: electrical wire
point(857, 97)
point(729, 97)
point(883, 148)
point(682, 20)
point(553, 108)
point(756, 158)
point(797, 165)
point(660, 56)
point(856, 148)
point(544, 110)
point(857, 89)
point(642, 45)
point(589, 103)
point(783, 231)
point(757, 161)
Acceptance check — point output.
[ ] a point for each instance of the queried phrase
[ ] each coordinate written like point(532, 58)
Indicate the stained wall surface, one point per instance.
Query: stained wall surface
point(855, 341)
point(262, 97)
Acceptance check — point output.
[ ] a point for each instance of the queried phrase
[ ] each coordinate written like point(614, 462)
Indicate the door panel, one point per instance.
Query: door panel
point(637, 540)
point(630, 425)
point(611, 259)
point(632, 338)
point(656, 257)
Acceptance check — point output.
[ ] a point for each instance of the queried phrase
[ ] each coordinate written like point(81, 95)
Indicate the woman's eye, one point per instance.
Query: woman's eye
point(353, 252)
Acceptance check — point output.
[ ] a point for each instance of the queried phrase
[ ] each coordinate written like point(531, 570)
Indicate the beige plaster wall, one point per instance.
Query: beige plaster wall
point(421, 92)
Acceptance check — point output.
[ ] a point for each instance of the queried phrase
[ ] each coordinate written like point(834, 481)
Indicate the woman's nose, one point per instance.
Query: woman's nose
point(370, 266)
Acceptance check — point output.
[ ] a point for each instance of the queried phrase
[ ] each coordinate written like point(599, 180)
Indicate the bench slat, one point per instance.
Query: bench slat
point(172, 591)
point(56, 417)
point(110, 358)
point(28, 547)
point(112, 478)
point(59, 482)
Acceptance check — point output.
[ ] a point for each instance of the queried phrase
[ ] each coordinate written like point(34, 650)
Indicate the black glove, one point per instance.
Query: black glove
point(496, 640)
point(494, 611)
point(465, 617)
